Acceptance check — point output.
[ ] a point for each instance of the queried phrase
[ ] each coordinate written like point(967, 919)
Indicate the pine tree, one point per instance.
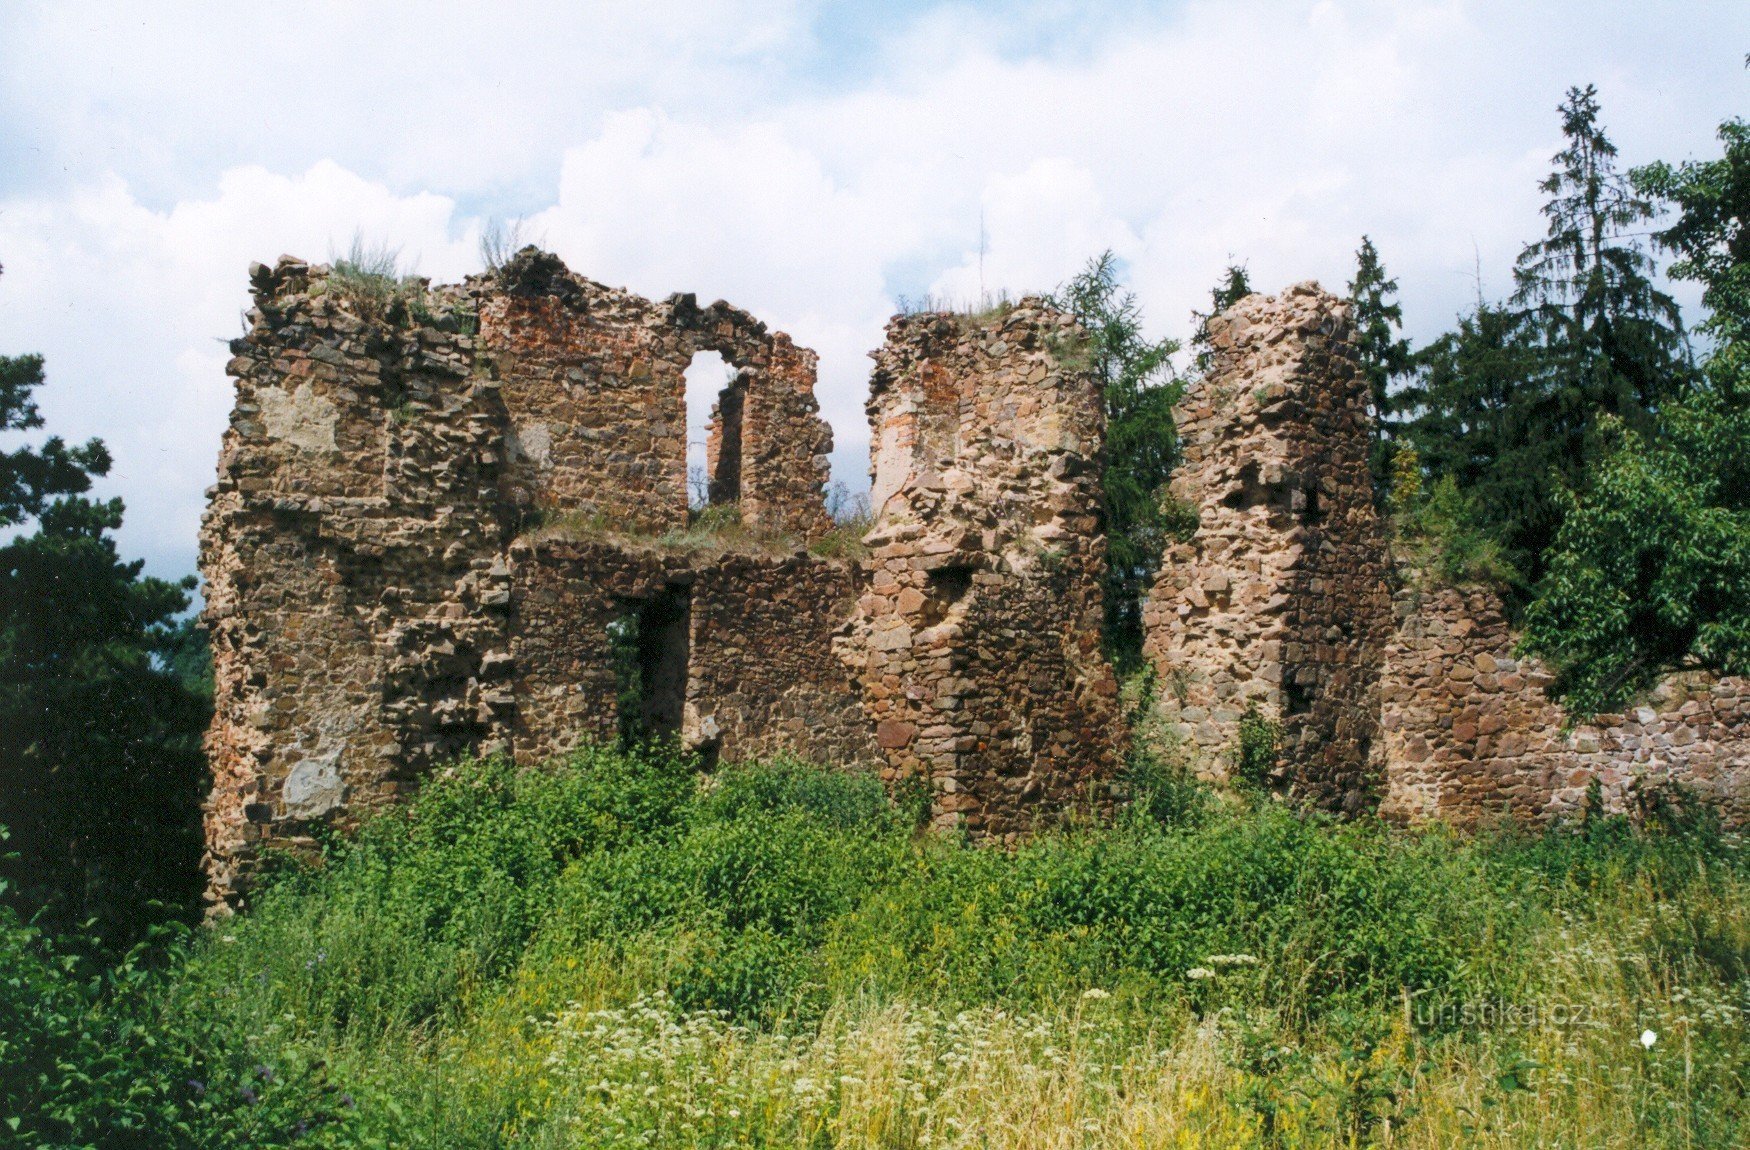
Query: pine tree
point(101, 774)
point(1139, 390)
point(1385, 354)
point(1233, 287)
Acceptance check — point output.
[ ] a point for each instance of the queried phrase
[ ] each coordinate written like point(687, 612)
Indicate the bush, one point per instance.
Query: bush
point(531, 956)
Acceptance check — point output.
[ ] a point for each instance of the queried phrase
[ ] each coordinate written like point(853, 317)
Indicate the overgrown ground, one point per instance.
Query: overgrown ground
point(607, 953)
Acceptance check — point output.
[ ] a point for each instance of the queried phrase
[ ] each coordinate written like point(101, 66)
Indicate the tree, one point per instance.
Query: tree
point(101, 774)
point(1233, 287)
point(1385, 354)
point(1510, 403)
point(1479, 423)
point(1650, 572)
point(1139, 390)
point(1589, 284)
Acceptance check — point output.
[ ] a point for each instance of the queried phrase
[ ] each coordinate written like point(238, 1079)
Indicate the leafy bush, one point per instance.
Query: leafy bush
point(615, 947)
point(1441, 532)
point(1256, 756)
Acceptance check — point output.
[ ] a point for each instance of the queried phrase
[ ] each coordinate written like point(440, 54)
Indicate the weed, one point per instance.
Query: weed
point(1255, 757)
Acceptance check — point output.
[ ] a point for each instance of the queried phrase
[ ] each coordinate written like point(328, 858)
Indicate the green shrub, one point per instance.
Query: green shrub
point(431, 969)
point(1255, 757)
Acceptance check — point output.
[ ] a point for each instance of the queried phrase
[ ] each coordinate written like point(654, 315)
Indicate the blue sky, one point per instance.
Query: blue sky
point(808, 161)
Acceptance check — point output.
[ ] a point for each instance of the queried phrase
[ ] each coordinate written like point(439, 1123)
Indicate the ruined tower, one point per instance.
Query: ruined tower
point(1278, 601)
point(976, 641)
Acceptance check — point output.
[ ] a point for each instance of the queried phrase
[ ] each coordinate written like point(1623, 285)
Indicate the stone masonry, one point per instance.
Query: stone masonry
point(1467, 733)
point(454, 521)
point(1278, 600)
point(440, 510)
point(976, 641)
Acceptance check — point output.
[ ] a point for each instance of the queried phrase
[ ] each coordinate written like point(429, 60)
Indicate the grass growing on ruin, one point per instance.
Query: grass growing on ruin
point(712, 530)
point(613, 952)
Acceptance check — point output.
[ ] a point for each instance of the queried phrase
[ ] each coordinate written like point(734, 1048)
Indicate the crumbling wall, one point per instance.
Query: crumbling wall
point(370, 615)
point(976, 639)
point(594, 385)
point(1467, 732)
point(347, 556)
point(1278, 599)
point(761, 677)
point(768, 450)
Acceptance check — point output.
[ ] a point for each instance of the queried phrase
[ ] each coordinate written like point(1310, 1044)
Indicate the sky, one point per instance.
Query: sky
point(812, 162)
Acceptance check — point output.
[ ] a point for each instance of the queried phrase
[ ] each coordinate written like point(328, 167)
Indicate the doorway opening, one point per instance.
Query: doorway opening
point(651, 641)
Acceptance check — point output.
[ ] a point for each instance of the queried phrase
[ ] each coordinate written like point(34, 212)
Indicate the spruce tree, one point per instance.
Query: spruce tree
point(1508, 404)
point(1233, 287)
point(1385, 354)
point(1651, 570)
point(1139, 389)
point(1588, 283)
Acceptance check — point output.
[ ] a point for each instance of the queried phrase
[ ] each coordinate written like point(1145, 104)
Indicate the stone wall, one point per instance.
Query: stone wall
point(374, 609)
point(1278, 600)
point(760, 674)
point(594, 385)
point(976, 640)
point(442, 511)
point(1468, 734)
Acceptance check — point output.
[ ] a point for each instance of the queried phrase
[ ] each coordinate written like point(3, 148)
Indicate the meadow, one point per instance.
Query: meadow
point(615, 951)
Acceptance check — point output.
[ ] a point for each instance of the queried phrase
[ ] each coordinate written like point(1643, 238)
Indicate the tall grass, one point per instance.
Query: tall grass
point(614, 952)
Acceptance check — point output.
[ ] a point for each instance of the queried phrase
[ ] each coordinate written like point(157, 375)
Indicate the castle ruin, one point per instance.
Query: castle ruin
point(453, 521)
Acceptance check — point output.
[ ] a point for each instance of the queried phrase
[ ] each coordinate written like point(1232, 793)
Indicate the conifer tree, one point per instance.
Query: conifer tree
point(1618, 339)
point(1385, 354)
point(101, 774)
point(1139, 389)
point(1508, 403)
point(1651, 570)
point(1233, 287)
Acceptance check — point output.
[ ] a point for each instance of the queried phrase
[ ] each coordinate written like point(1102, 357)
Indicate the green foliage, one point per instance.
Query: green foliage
point(1616, 338)
point(1440, 533)
point(1509, 403)
point(101, 710)
point(1256, 756)
point(1142, 445)
point(93, 1056)
point(1480, 423)
point(1385, 354)
point(431, 900)
point(522, 956)
point(1234, 287)
point(1162, 788)
point(1651, 570)
point(1711, 235)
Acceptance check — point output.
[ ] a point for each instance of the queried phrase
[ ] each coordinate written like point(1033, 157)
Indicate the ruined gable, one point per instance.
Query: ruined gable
point(372, 611)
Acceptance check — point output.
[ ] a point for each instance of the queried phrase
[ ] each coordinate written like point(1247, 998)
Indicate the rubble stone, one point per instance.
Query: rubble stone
point(1278, 598)
point(977, 641)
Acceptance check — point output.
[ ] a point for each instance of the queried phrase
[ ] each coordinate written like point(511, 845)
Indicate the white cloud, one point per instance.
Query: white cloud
point(145, 160)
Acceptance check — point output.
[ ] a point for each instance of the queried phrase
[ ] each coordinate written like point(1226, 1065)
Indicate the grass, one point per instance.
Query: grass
point(613, 951)
point(713, 530)
point(371, 278)
point(985, 309)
